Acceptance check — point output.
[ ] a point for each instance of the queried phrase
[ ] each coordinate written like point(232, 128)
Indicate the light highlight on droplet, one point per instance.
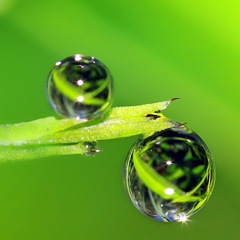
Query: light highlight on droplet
point(169, 191)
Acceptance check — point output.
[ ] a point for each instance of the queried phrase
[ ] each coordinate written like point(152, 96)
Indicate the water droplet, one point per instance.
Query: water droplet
point(80, 87)
point(170, 175)
point(91, 148)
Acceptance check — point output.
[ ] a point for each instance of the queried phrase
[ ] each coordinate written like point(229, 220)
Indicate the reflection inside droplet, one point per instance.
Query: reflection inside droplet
point(170, 175)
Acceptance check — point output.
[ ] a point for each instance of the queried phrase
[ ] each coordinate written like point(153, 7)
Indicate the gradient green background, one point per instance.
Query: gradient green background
point(156, 50)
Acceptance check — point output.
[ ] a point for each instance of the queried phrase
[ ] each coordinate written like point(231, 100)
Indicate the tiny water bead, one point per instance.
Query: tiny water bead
point(91, 148)
point(80, 87)
point(170, 175)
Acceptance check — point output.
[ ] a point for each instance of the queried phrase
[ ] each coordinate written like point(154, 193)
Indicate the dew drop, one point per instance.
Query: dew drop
point(80, 87)
point(170, 175)
point(91, 148)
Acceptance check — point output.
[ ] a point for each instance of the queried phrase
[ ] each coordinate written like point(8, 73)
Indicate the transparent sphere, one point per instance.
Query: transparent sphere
point(91, 148)
point(170, 175)
point(80, 87)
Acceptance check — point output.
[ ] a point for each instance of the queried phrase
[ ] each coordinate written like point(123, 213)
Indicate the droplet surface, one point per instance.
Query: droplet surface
point(91, 148)
point(170, 175)
point(80, 87)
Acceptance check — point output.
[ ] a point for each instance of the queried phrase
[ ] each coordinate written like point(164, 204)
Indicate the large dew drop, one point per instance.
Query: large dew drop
point(170, 175)
point(80, 87)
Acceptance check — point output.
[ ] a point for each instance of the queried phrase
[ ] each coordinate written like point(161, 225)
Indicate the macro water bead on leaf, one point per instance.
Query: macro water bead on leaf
point(169, 175)
point(80, 87)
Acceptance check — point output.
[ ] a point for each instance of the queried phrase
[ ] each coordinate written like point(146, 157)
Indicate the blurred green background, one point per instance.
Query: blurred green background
point(156, 50)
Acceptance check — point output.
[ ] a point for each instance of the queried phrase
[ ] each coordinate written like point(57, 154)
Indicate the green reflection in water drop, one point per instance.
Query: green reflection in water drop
point(170, 175)
point(80, 87)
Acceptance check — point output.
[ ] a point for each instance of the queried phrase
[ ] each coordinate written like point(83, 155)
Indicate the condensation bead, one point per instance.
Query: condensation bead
point(170, 175)
point(80, 87)
point(91, 148)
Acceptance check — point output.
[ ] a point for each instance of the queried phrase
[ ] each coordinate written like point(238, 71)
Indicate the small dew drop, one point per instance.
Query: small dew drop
point(91, 148)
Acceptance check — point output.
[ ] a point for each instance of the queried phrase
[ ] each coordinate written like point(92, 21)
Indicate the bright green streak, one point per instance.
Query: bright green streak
point(159, 184)
point(66, 88)
point(73, 92)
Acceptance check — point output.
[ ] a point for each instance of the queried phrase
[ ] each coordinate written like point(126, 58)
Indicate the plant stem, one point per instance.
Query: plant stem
point(49, 136)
